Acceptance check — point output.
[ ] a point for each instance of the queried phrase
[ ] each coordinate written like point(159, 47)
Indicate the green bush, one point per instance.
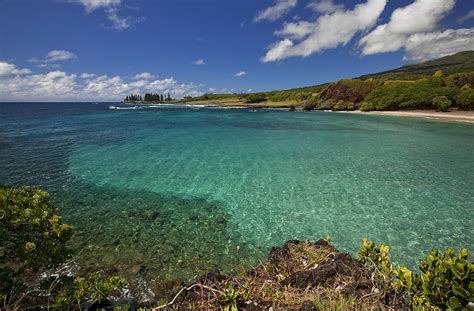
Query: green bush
point(343, 106)
point(442, 103)
point(465, 100)
point(255, 98)
point(33, 240)
point(446, 280)
point(394, 95)
point(365, 106)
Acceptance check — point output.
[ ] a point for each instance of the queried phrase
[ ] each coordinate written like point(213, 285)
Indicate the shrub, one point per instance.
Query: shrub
point(365, 106)
point(377, 255)
point(446, 281)
point(33, 235)
point(395, 95)
point(255, 98)
point(33, 240)
point(442, 103)
point(343, 106)
point(465, 100)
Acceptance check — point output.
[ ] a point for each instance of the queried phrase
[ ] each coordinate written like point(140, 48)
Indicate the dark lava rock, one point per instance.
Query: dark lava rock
point(329, 274)
point(98, 305)
point(308, 306)
point(338, 91)
point(252, 306)
point(282, 253)
point(212, 277)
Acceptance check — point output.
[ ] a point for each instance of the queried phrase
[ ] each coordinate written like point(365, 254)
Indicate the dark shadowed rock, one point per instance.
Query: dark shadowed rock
point(308, 306)
point(338, 91)
point(339, 270)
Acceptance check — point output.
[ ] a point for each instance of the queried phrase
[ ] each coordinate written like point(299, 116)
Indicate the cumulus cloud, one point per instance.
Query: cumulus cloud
point(326, 32)
point(419, 16)
point(424, 46)
point(10, 69)
point(59, 55)
point(199, 62)
point(16, 85)
point(276, 11)
point(52, 58)
point(240, 74)
point(143, 75)
point(296, 30)
point(324, 6)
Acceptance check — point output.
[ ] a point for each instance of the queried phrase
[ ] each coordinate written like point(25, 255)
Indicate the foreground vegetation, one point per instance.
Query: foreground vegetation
point(36, 272)
point(439, 84)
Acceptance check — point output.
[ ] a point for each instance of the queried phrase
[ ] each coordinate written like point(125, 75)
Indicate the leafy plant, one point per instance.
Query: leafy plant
point(376, 255)
point(32, 237)
point(229, 297)
point(442, 103)
point(447, 280)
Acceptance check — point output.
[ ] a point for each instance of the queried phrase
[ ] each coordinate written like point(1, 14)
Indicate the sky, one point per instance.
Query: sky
point(103, 50)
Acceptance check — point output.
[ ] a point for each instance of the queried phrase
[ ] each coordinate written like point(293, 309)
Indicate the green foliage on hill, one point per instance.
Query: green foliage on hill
point(408, 87)
point(458, 63)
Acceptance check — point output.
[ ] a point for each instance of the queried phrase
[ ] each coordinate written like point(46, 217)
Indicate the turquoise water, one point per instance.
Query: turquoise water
point(168, 193)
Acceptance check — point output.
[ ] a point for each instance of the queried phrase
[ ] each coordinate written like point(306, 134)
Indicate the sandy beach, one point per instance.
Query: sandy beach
point(458, 116)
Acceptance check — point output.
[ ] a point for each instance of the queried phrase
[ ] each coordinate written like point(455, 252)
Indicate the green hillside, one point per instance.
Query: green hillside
point(457, 63)
point(438, 84)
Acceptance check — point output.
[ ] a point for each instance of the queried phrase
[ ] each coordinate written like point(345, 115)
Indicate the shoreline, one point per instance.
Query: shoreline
point(456, 116)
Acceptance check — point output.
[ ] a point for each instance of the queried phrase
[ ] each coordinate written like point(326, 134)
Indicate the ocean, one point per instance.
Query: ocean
point(166, 193)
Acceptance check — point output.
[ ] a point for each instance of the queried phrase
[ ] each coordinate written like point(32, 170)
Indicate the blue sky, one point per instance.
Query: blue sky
point(53, 50)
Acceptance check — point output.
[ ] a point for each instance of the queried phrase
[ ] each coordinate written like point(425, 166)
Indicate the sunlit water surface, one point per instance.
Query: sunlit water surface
point(169, 193)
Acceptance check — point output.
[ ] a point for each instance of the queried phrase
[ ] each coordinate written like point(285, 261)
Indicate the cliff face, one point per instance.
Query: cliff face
point(299, 275)
point(338, 91)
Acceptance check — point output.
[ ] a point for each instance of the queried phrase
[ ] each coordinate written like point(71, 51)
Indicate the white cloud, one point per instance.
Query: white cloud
point(143, 75)
point(91, 5)
point(272, 13)
point(59, 85)
point(87, 75)
point(469, 15)
point(10, 69)
point(199, 62)
point(327, 31)
point(121, 23)
point(55, 84)
point(424, 46)
point(59, 55)
point(324, 6)
point(240, 74)
point(111, 9)
point(419, 16)
point(296, 30)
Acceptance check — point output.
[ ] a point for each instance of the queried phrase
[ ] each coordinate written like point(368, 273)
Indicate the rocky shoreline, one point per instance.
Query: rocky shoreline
point(299, 275)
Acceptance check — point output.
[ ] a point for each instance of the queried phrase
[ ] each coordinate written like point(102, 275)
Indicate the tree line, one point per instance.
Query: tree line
point(149, 97)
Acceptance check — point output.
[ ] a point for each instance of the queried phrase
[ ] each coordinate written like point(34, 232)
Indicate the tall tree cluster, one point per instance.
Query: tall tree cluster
point(149, 97)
